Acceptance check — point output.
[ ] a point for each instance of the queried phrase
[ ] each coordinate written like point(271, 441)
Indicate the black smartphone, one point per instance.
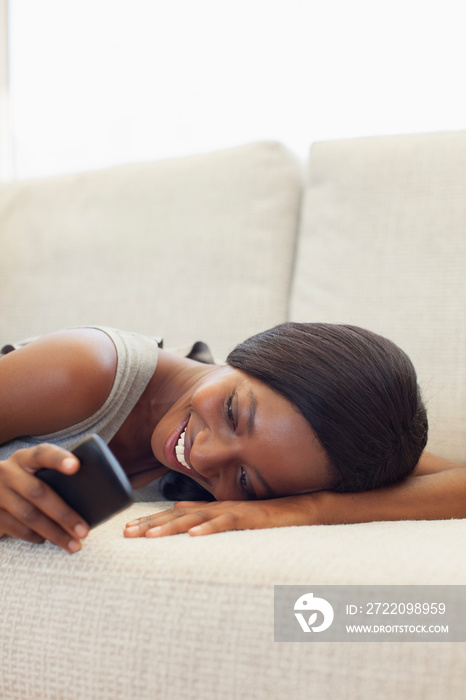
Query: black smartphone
point(99, 489)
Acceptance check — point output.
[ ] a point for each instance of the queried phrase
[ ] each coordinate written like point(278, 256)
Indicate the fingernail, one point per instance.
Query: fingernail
point(133, 522)
point(195, 530)
point(68, 464)
point(81, 531)
point(74, 546)
point(132, 528)
point(153, 532)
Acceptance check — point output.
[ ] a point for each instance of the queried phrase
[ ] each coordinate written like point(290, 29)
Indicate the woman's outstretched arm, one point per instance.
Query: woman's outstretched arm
point(436, 491)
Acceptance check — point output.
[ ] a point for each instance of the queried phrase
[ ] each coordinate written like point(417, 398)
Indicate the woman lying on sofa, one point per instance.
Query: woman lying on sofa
point(305, 424)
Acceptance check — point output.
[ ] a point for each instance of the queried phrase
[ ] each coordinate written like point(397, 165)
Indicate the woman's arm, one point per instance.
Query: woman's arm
point(436, 491)
point(54, 382)
point(45, 386)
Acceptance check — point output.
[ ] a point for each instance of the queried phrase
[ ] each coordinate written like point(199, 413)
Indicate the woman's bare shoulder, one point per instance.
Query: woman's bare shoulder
point(55, 382)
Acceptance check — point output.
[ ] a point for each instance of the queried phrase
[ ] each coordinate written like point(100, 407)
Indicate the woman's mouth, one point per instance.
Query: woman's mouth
point(179, 451)
point(176, 450)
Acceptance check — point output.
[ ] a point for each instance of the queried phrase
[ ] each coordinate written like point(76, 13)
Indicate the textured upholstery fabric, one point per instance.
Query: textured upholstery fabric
point(192, 618)
point(201, 247)
point(383, 245)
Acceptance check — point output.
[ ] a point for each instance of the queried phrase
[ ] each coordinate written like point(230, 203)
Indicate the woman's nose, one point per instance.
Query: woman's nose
point(206, 452)
point(211, 454)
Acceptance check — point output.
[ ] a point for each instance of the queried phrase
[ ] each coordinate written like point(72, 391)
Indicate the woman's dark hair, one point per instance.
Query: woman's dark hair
point(178, 487)
point(357, 390)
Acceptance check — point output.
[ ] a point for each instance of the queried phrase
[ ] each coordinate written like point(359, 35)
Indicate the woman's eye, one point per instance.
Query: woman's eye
point(230, 414)
point(244, 484)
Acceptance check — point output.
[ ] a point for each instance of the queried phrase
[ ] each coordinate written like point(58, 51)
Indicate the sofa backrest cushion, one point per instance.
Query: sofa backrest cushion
point(191, 248)
point(383, 245)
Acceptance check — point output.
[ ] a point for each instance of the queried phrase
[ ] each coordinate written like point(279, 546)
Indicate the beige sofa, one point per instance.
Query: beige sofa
point(216, 247)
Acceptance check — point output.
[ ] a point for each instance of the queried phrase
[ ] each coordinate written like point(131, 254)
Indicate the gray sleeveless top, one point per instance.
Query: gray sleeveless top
point(136, 363)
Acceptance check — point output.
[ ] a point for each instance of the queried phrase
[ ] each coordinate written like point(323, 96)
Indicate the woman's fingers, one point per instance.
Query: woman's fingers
point(29, 508)
point(166, 526)
point(199, 518)
point(37, 508)
point(47, 456)
point(171, 521)
point(139, 527)
point(190, 504)
point(12, 527)
point(207, 518)
point(184, 523)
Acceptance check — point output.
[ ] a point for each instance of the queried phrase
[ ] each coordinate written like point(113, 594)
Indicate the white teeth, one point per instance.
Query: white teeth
point(179, 450)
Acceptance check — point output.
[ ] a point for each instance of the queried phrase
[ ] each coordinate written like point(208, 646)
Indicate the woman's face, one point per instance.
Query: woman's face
point(240, 440)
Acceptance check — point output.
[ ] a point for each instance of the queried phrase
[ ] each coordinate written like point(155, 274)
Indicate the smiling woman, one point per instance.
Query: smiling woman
point(238, 435)
point(298, 412)
point(338, 405)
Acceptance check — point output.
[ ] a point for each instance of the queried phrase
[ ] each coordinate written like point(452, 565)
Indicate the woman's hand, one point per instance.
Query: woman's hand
point(207, 518)
point(29, 508)
point(436, 491)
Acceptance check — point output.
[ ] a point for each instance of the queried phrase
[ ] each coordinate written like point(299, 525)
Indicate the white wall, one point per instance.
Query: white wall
point(6, 151)
point(98, 82)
